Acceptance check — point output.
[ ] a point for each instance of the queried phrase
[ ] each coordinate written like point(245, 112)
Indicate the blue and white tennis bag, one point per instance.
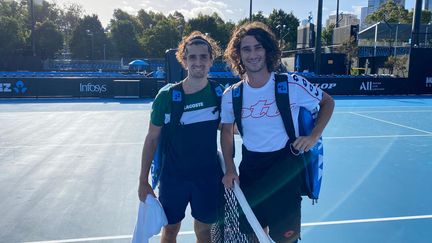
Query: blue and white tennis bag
point(313, 159)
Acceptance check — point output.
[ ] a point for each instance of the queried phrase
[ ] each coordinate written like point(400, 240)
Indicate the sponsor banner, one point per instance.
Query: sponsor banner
point(108, 87)
point(15, 88)
point(362, 85)
point(74, 87)
point(428, 82)
point(365, 86)
point(372, 86)
point(326, 86)
point(90, 87)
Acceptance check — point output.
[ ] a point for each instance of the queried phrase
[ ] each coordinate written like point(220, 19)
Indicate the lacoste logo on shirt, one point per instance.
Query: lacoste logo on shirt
point(192, 106)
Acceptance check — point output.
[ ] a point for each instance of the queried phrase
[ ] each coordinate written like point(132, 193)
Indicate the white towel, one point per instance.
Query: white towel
point(151, 218)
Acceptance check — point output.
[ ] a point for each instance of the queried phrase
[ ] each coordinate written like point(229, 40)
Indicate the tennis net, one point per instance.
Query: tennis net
point(237, 221)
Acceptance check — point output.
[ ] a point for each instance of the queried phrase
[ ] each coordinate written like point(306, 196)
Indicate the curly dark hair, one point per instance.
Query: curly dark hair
point(197, 38)
point(263, 35)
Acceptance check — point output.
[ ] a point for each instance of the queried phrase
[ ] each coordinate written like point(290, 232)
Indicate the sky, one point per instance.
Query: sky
point(229, 10)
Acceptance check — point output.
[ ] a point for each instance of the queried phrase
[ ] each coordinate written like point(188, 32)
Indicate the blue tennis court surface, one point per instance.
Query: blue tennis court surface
point(69, 171)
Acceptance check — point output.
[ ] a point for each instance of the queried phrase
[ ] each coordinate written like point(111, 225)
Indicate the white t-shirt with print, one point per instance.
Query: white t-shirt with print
point(263, 128)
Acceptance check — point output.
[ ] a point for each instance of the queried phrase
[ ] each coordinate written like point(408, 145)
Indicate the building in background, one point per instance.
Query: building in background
point(363, 14)
point(306, 36)
point(344, 34)
point(344, 19)
point(428, 5)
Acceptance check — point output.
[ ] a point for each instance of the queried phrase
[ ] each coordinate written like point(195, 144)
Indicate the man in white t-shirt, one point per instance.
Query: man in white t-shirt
point(269, 172)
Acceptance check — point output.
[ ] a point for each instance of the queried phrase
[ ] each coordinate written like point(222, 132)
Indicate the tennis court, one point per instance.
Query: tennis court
point(69, 171)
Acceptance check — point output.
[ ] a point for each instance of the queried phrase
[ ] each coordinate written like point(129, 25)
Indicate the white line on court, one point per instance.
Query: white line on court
point(382, 107)
point(69, 145)
point(379, 136)
point(354, 221)
point(392, 123)
point(399, 111)
point(141, 143)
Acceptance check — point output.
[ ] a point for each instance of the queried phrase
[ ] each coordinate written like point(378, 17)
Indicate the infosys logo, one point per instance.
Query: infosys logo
point(93, 88)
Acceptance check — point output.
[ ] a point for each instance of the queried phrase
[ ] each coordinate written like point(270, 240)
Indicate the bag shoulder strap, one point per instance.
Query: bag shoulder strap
point(176, 94)
point(283, 103)
point(237, 100)
point(218, 92)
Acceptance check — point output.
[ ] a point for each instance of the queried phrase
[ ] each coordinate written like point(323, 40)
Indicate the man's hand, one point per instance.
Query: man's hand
point(305, 143)
point(143, 190)
point(229, 178)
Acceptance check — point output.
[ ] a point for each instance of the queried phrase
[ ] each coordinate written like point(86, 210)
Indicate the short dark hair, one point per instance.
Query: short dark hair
point(196, 38)
point(263, 35)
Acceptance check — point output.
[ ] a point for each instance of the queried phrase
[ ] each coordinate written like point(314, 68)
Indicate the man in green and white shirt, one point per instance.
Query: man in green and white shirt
point(191, 172)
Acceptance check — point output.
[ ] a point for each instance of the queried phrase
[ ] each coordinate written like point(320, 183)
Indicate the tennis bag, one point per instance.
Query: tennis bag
point(176, 93)
point(313, 159)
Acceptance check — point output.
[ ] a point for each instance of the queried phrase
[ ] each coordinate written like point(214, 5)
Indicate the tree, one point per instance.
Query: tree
point(350, 48)
point(327, 35)
point(125, 38)
point(397, 64)
point(203, 23)
point(14, 31)
point(12, 36)
point(14, 9)
point(389, 12)
point(145, 19)
point(120, 15)
point(285, 28)
point(156, 40)
point(88, 39)
point(70, 16)
point(48, 39)
point(255, 17)
point(47, 11)
point(225, 33)
point(149, 19)
point(426, 17)
point(178, 21)
point(213, 25)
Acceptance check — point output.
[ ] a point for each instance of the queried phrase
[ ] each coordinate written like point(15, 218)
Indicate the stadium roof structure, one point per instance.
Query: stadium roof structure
point(393, 31)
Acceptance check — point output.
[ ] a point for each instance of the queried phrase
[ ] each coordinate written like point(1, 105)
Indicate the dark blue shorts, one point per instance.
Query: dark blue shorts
point(204, 196)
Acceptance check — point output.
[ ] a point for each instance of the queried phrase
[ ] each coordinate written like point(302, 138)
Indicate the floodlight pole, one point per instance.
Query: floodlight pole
point(318, 39)
point(32, 19)
point(416, 24)
point(250, 11)
point(337, 13)
point(91, 34)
